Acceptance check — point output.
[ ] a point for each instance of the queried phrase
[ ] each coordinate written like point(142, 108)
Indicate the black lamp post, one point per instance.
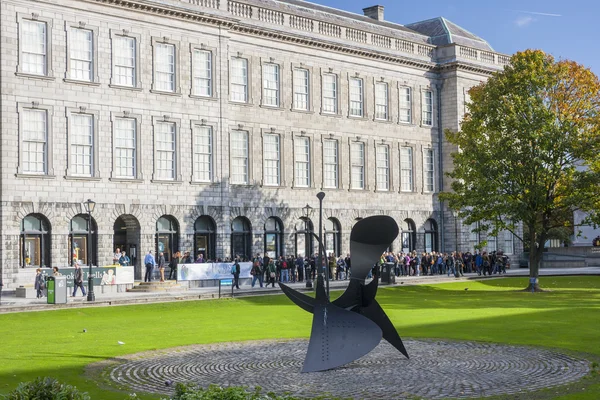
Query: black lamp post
point(321, 196)
point(306, 213)
point(89, 208)
point(455, 215)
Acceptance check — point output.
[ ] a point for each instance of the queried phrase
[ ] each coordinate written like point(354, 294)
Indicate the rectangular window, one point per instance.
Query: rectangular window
point(509, 243)
point(428, 170)
point(301, 87)
point(165, 150)
point(271, 156)
point(33, 50)
point(202, 73)
point(428, 107)
point(356, 97)
point(383, 167)
point(203, 149)
point(381, 101)
point(81, 54)
point(405, 105)
point(82, 139)
point(330, 163)
point(357, 155)
point(302, 160)
point(473, 236)
point(164, 67)
point(124, 73)
point(239, 157)
point(271, 85)
point(492, 243)
point(34, 141)
point(125, 147)
point(330, 94)
point(239, 80)
point(406, 169)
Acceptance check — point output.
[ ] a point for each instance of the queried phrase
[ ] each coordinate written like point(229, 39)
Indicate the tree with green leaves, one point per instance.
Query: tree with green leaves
point(528, 151)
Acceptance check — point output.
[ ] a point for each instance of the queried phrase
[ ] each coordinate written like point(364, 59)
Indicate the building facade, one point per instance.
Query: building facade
point(209, 125)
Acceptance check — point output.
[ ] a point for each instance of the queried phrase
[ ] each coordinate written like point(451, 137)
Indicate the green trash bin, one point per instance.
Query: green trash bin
point(57, 289)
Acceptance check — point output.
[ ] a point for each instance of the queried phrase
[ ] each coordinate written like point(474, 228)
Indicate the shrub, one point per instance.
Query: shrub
point(45, 389)
point(193, 392)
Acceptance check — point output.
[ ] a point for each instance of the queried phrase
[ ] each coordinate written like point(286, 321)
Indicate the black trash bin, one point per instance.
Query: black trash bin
point(387, 274)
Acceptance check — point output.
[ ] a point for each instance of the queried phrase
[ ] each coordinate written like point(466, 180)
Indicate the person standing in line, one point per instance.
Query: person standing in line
point(116, 256)
point(124, 260)
point(175, 260)
point(161, 265)
point(78, 280)
point(149, 262)
point(55, 271)
point(272, 273)
point(256, 272)
point(348, 263)
point(39, 283)
point(236, 272)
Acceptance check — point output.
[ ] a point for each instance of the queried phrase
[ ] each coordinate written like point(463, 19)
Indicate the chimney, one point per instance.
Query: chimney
point(375, 12)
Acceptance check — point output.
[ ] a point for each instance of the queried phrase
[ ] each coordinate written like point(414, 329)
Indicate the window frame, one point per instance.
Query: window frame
point(411, 164)
point(195, 176)
point(361, 81)
point(277, 160)
point(336, 98)
point(308, 72)
point(94, 79)
point(247, 157)
point(33, 17)
point(425, 111)
point(193, 86)
point(308, 163)
point(403, 106)
point(426, 171)
point(138, 152)
point(336, 164)
point(114, 34)
point(277, 84)
point(21, 109)
point(387, 100)
point(378, 167)
point(177, 151)
point(354, 163)
point(246, 84)
point(176, 66)
point(95, 167)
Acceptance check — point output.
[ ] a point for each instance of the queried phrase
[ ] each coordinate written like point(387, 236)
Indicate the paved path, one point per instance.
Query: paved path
point(436, 370)
point(11, 303)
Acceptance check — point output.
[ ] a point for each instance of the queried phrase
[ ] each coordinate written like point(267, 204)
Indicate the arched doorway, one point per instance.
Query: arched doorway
point(167, 236)
point(431, 236)
point(273, 237)
point(241, 238)
point(35, 241)
point(126, 238)
point(332, 237)
point(204, 238)
point(304, 237)
point(80, 230)
point(409, 235)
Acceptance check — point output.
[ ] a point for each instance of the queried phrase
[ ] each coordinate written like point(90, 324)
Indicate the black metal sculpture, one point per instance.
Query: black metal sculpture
point(352, 325)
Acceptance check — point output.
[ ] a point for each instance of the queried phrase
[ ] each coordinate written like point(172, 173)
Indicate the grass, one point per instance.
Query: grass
point(53, 343)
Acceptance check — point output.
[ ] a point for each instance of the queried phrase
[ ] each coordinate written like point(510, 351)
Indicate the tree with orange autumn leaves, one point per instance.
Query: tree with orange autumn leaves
point(528, 151)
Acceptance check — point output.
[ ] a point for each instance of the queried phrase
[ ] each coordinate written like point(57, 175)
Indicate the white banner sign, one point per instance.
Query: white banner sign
point(205, 271)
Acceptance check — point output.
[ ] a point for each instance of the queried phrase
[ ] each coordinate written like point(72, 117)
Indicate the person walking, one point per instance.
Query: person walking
point(175, 260)
point(235, 270)
point(256, 272)
point(161, 265)
point(39, 283)
point(78, 280)
point(272, 273)
point(149, 262)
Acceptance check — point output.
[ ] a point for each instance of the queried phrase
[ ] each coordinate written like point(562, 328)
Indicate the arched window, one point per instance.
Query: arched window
point(409, 235)
point(332, 237)
point(204, 238)
point(80, 234)
point(241, 238)
point(35, 241)
point(431, 236)
point(273, 237)
point(167, 236)
point(304, 237)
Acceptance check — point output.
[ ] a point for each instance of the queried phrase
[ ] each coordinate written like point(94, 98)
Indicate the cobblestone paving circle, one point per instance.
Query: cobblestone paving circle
point(436, 370)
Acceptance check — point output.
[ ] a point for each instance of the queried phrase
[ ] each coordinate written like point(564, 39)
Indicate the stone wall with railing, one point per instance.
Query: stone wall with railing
point(248, 12)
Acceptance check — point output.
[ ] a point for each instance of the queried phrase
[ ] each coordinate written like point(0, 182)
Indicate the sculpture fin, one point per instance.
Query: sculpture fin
point(303, 301)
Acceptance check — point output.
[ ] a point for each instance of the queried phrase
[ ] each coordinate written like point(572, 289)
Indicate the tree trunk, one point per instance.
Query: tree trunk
point(536, 252)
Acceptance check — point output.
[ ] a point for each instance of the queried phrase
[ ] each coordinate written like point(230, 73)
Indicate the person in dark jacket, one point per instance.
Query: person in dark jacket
point(40, 283)
point(236, 273)
point(161, 265)
point(78, 280)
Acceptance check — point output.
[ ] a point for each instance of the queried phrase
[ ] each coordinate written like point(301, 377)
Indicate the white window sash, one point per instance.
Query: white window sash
point(202, 73)
point(405, 105)
point(302, 159)
point(34, 138)
point(383, 168)
point(82, 144)
point(166, 156)
point(330, 164)
point(358, 166)
point(125, 147)
point(356, 97)
point(239, 158)
point(81, 54)
point(301, 89)
point(381, 101)
point(330, 89)
point(406, 167)
point(164, 67)
point(239, 80)
point(124, 64)
point(203, 149)
point(272, 160)
point(34, 47)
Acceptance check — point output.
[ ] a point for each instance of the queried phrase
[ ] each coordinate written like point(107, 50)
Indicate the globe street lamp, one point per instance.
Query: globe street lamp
point(306, 213)
point(89, 208)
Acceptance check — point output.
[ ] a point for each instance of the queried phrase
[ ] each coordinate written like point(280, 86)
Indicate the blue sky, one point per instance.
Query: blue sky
point(566, 29)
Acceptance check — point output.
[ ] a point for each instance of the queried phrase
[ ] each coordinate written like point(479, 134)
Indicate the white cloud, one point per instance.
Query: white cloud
point(539, 13)
point(524, 21)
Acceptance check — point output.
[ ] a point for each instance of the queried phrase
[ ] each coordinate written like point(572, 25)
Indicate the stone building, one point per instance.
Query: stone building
point(209, 125)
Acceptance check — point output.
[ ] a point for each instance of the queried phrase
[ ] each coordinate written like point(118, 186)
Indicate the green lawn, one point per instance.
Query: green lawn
point(53, 343)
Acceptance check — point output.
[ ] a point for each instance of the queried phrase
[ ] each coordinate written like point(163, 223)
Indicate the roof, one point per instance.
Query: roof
point(442, 32)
